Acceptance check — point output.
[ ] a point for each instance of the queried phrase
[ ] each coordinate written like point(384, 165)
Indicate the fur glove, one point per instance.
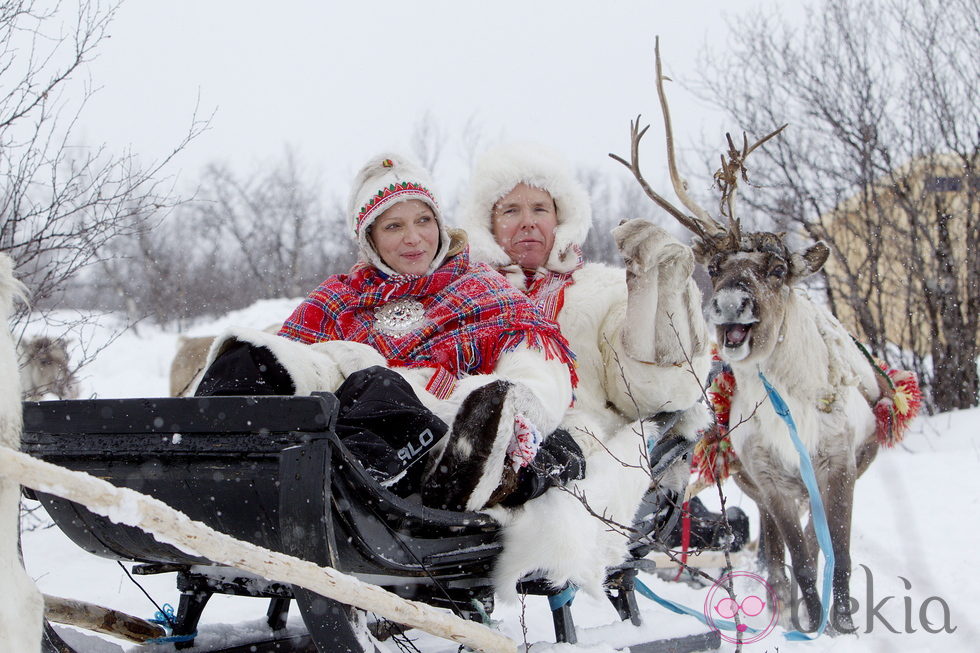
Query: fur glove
point(559, 460)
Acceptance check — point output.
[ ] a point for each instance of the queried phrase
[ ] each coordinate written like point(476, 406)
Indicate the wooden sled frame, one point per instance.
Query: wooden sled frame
point(271, 471)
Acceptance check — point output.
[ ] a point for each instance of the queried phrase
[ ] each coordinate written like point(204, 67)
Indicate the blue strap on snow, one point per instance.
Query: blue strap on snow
point(172, 639)
point(680, 609)
point(816, 509)
point(165, 617)
point(484, 617)
point(562, 598)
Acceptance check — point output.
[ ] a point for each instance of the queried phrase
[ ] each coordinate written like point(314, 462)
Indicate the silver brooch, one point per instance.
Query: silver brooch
point(399, 317)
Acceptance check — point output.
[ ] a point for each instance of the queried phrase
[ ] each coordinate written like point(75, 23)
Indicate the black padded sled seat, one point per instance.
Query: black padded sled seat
point(267, 470)
point(243, 465)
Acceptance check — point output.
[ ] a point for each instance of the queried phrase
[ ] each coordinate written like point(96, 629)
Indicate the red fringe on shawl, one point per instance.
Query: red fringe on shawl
point(553, 349)
point(480, 355)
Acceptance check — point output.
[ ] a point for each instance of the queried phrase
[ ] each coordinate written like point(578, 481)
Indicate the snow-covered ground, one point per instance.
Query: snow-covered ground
point(915, 523)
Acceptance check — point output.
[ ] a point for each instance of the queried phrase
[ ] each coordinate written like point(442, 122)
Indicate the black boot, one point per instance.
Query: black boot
point(473, 470)
point(708, 528)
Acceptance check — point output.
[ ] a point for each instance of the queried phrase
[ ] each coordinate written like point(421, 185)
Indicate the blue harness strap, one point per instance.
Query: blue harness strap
point(165, 618)
point(816, 509)
point(566, 596)
point(680, 609)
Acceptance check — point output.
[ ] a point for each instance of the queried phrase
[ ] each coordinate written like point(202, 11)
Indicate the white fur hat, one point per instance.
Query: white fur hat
point(385, 180)
point(496, 174)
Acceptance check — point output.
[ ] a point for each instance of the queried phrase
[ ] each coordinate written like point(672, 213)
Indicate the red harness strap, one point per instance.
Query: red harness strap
point(685, 538)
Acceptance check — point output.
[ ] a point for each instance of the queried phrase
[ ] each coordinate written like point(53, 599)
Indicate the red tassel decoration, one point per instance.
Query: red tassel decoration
point(713, 453)
point(893, 414)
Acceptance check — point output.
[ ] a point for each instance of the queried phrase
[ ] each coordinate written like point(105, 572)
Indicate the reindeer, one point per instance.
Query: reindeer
point(45, 369)
point(763, 324)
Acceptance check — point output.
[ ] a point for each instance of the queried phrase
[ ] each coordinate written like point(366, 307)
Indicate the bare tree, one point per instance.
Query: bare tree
point(61, 203)
point(165, 274)
point(880, 161)
point(472, 140)
point(599, 244)
point(428, 140)
point(245, 237)
point(615, 198)
point(276, 224)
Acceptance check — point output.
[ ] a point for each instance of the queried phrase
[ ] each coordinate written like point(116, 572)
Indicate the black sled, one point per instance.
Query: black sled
point(271, 471)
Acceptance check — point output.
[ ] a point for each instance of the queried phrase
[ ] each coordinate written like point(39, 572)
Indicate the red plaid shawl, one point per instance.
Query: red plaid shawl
point(547, 288)
point(472, 316)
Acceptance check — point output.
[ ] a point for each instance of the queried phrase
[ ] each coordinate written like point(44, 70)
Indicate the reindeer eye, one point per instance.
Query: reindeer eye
point(778, 271)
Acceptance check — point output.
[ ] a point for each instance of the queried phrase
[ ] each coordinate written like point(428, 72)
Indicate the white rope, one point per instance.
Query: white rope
point(170, 526)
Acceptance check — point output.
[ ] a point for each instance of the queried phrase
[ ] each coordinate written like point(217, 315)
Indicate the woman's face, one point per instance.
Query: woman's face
point(406, 236)
point(523, 223)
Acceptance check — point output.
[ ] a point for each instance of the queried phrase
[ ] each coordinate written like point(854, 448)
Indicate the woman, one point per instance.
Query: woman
point(472, 348)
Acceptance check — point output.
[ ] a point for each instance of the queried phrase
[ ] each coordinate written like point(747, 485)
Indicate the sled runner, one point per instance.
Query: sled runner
point(272, 472)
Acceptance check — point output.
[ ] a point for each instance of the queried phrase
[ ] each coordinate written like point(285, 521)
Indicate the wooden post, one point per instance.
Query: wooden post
point(100, 619)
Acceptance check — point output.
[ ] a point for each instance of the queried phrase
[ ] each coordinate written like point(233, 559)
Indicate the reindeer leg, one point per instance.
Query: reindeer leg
point(810, 534)
point(839, 501)
point(866, 454)
point(803, 560)
point(772, 551)
point(772, 556)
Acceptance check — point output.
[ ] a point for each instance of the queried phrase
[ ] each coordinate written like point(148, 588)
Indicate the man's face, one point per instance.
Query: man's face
point(523, 223)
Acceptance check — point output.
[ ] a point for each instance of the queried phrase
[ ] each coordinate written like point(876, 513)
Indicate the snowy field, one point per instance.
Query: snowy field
point(915, 523)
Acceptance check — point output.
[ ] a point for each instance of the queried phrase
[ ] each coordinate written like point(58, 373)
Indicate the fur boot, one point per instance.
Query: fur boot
point(471, 466)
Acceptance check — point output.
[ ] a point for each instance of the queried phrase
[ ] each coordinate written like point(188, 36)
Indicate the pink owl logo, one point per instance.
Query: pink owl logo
point(757, 607)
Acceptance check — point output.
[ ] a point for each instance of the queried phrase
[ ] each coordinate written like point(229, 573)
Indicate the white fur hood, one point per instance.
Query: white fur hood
point(496, 174)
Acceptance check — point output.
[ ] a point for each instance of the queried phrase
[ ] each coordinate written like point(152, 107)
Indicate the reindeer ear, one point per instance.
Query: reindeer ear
point(809, 261)
point(702, 253)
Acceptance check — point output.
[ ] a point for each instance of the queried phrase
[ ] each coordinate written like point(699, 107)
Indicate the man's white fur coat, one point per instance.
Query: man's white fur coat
point(554, 534)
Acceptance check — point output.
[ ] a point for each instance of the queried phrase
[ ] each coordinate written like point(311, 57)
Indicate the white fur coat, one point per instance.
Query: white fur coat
point(555, 534)
point(323, 367)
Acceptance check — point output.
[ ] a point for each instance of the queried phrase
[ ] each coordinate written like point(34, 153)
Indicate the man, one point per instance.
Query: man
point(638, 336)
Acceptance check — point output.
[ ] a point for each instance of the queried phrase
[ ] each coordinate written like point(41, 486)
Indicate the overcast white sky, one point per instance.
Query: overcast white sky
point(339, 81)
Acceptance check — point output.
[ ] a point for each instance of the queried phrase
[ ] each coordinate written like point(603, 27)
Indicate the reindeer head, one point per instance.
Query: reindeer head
point(752, 273)
point(46, 368)
point(751, 283)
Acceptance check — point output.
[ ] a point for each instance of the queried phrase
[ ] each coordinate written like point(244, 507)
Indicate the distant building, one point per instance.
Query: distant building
point(901, 241)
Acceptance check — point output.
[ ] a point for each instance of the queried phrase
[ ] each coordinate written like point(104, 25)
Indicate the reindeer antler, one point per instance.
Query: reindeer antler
point(701, 223)
point(634, 166)
point(679, 183)
point(726, 177)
